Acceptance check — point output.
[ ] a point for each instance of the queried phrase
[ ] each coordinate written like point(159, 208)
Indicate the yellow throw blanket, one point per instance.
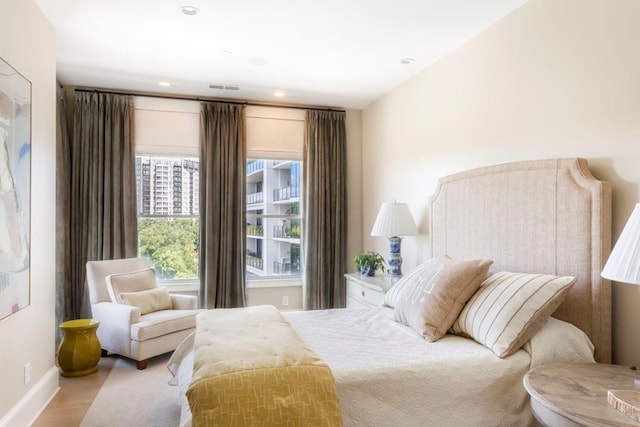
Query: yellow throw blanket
point(252, 369)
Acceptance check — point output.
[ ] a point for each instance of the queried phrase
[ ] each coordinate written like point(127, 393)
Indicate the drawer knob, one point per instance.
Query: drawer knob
point(362, 293)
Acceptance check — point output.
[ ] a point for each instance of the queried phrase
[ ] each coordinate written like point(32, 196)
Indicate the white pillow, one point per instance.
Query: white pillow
point(148, 301)
point(135, 281)
point(559, 342)
point(392, 296)
point(509, 308)
point(430, 302)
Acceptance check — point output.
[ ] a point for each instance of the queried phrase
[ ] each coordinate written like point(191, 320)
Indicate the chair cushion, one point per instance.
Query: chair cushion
point(148, 301)
point(163, 322)
point(135, 281)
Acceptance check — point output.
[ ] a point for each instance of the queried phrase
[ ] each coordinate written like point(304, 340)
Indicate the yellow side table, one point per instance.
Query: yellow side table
point(79, 352)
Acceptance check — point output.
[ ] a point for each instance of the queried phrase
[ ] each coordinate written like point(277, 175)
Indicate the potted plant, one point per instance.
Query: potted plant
point(368, 262)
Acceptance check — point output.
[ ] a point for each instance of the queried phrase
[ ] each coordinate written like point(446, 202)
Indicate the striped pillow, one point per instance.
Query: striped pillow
point(509, 308)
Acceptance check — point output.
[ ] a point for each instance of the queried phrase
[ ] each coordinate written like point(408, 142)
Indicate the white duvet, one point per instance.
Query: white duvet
point(387, 375)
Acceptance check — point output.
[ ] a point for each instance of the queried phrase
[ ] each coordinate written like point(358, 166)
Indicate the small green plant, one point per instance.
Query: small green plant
point(368, 263)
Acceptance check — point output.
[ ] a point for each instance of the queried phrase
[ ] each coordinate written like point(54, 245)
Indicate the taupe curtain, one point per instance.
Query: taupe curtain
point(325, 209)
point(222, 205)
point(102, 193)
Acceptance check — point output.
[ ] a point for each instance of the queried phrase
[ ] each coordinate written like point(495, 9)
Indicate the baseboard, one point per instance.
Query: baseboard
point(25, 412)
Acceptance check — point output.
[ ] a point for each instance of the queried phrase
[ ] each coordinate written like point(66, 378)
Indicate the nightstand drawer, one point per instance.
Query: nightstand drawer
point(360, 296)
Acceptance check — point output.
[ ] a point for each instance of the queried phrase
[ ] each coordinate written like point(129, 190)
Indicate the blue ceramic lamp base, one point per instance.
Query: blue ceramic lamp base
point(395, 260)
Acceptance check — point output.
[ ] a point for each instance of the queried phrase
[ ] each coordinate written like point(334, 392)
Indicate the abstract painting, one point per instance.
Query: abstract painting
point(15, 189)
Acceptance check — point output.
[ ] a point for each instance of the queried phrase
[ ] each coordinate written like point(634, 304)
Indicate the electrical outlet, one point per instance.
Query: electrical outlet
point(27, 373)
point(285, 300)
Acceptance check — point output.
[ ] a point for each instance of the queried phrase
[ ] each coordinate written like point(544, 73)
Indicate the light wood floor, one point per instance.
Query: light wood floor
point(69, 406)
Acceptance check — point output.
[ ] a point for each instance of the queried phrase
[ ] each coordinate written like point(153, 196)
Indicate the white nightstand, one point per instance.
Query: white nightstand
point(364, 291)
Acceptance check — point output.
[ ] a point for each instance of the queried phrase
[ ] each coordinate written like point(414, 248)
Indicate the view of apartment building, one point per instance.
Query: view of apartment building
point(167, 185)
point(273, 217)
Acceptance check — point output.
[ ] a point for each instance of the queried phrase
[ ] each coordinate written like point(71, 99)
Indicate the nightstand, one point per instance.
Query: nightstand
point(365, 291)
point(575, 394)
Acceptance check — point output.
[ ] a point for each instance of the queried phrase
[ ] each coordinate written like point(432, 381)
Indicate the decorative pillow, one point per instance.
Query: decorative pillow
point(430, 301)
point(509, 308)
point(148, 301)
point(393, 294)
point(134, 281)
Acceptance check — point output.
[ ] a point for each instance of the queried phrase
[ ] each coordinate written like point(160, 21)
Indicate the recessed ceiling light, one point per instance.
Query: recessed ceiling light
point(278, 93)
point(189, 10)
point(164, 83)
point(407, 61)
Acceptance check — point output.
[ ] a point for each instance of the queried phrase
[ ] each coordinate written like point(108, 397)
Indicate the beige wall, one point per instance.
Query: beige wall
point(354, 186)
point(556, 78)
point(27, 42)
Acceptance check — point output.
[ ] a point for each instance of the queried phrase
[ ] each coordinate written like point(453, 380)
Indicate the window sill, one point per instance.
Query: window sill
point(270, 282)
point(274, 282)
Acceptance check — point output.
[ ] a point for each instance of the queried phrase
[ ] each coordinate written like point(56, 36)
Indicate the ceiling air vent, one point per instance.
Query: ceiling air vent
point(224, 87)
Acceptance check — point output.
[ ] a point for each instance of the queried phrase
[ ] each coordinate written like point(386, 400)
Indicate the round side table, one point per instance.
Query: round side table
point(79, 351)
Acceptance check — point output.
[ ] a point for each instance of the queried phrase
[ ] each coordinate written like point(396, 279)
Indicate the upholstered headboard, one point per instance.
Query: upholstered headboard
point(546, 216)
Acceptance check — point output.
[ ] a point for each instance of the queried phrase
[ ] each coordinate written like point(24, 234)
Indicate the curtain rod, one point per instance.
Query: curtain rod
point(204, 98)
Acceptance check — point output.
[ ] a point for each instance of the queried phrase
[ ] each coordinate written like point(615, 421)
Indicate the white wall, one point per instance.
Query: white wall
point(28, 43)
point(553, 79)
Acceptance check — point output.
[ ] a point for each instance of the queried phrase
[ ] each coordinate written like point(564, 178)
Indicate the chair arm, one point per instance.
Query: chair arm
point(184, 302)
point(114, 331)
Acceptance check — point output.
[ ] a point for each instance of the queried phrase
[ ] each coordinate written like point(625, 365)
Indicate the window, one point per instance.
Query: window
point(168, 222)
point(273, 218)
point(167, 133)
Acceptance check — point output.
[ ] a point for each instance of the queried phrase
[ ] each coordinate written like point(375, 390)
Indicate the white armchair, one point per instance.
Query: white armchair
point(131, 330)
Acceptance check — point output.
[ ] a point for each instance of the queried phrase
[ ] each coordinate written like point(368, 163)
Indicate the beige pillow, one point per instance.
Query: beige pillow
point(431, 300)
point(509, 308)
point(134, 281)
point(148, 301)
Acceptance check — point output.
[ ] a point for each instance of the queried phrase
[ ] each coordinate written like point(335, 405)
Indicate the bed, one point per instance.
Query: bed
point(548, 217)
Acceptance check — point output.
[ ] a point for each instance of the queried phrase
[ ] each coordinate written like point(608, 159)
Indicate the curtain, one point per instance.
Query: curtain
point(101, 190)
point(325, 209)
point(222, 205)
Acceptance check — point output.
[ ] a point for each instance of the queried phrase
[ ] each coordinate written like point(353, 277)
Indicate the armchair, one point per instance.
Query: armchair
point(152, 325)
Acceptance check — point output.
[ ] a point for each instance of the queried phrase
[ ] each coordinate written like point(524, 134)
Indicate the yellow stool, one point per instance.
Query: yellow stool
point(79, 352)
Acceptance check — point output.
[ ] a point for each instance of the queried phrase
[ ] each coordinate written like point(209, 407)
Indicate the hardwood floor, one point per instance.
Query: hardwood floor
point(69, 406)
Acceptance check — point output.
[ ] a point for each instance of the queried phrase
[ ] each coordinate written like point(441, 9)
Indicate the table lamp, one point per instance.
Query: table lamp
point(394, 220)
point(623, 266)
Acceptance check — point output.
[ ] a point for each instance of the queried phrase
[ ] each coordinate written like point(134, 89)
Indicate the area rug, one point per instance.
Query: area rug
point(130, 397)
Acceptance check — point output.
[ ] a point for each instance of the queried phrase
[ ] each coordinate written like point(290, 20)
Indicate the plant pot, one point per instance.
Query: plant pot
point(367, 270)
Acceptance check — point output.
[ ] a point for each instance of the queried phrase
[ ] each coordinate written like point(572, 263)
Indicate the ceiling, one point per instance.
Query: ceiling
point(341, 53)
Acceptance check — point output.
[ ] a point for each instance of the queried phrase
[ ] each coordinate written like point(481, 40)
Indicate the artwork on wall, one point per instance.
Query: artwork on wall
point(15, 189)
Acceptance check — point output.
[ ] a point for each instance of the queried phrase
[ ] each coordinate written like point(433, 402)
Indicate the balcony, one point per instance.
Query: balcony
point(255, 166)
point(283, 267)
point(254, 230)
point(286, 231)
point(255, 198)
point(283, 193)
point(255, 262)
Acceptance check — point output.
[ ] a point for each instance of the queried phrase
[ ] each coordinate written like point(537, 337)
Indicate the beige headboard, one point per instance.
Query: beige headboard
point(545, 216)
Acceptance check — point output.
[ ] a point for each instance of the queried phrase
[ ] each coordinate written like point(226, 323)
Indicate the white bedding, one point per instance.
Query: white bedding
point(386, 374)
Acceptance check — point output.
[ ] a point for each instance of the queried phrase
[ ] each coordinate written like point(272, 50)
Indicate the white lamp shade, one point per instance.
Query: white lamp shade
point(623, 264)
point(394, 219)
